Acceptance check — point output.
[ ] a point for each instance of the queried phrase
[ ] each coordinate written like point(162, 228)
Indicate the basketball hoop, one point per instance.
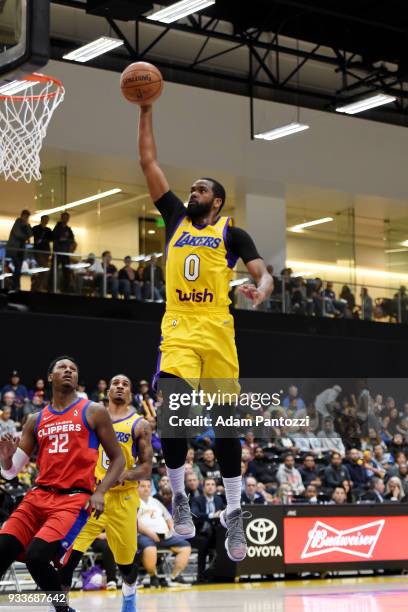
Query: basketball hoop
point(24, 119)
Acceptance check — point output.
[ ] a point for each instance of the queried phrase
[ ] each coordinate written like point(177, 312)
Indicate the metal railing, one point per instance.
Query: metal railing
point(65, 272)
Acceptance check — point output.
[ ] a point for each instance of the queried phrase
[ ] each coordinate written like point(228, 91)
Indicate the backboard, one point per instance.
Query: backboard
point(24, 37)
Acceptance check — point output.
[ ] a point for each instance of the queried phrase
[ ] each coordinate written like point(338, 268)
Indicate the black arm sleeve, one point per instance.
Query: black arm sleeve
point(240, 243)
point(171, 209)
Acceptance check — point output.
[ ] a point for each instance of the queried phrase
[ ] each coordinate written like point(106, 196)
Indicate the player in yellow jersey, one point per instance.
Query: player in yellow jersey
point(198, 339)
point(119, 520)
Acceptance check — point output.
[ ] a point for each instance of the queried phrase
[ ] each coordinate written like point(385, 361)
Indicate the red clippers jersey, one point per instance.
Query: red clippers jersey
point(68, 447)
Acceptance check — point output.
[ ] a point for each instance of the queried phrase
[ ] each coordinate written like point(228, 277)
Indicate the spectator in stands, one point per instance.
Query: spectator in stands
point(382, 457)
point(190, 461)
point(206, 510)
point(42, 242)
point(324, 402)
point(293, 395)
point(250, 495)
point(366, 305)
point(357, 471)
point(347, 295)
point(385, 433)
point(100, 393)
point(398, 444)
point(371, 440)
point(39, 389)
point(20, 234)
point(402, 427)
point(19, 390)
point(165, 496)
point(336, 473)
point(81, 391)
point(338, 496)
point(128, 280)
point(153, 277)
point(284, 495)
point(142, 389)
point(8, 400)
point(309, 472)
point(7, 425)
point(372, 467)
point(209, 466)
point(400, 459)
point(298, 296)
point(283, 441)
point(375, 492)
point(288, 474)
point(155, 527)
point(111, 272)
point(192, 486)
point(262, 469)
point(32, 407)
point(64, 242)
point(332, 304)
point(330, 439)
point(246, 454)
point(311, 494)
point(394, 491)
point(249, 443)
point(402, 474)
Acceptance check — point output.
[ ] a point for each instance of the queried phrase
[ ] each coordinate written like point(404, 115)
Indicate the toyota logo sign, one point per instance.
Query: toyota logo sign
point(261, 531)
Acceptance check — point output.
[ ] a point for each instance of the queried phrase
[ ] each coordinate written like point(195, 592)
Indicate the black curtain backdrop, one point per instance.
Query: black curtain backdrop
point(106, 346)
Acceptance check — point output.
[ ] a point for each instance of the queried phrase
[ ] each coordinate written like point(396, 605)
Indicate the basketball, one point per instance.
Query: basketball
point(141, 83)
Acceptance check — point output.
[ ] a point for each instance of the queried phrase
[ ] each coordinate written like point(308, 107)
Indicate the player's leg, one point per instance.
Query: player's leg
point(121, 535)
point(10, 549)
point(221, 370)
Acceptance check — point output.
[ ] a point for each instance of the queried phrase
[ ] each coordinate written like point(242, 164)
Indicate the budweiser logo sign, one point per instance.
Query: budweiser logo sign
point(358, 541)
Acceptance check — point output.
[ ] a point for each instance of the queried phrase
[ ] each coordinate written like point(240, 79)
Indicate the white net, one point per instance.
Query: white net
point(24, 120)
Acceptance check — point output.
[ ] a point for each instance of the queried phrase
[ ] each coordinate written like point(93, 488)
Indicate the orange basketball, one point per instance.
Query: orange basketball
point(141, 83)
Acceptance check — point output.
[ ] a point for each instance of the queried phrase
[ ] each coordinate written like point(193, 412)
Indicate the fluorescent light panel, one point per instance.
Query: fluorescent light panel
point(93, 49)
point(366, 104)
point(92, 198)
point(301, 226)
point(14, 87)
point(284, 130)
point(179, 10)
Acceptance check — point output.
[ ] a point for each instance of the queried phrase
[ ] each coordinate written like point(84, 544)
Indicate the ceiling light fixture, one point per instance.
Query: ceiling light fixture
point(366, 104)
point(179, 10)
point(300, 227)
point(93, 49)
point(63, 207)
point(281, 132)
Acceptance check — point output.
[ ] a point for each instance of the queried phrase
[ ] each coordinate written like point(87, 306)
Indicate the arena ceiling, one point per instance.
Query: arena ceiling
point(313, 53)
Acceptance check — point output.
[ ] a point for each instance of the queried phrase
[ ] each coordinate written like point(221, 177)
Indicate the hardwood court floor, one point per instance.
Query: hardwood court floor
point(382, 594)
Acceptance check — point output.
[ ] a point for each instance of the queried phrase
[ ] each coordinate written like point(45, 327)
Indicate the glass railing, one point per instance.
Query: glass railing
point(141, 278)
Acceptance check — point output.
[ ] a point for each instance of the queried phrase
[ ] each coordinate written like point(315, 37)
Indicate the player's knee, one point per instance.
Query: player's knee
point(39, 552)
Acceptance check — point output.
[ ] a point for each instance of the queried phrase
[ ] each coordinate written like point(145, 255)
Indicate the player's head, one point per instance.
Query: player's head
point(120, 390)
point(206, 195)
point(63, 373)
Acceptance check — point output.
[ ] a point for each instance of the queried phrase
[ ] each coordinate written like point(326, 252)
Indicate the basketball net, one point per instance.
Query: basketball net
point(24, 120)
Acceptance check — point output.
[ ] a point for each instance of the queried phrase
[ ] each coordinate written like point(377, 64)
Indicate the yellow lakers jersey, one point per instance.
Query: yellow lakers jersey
point(199, 267)
point(124, 430)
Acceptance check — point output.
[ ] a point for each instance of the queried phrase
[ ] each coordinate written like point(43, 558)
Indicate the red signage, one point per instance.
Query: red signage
point(347, 538)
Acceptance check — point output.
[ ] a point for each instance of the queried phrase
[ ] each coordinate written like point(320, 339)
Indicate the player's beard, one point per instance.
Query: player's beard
point(197, 211)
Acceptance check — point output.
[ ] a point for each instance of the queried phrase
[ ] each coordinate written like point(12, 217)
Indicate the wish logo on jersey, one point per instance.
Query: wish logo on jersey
point(195, 296)
point(186, 239)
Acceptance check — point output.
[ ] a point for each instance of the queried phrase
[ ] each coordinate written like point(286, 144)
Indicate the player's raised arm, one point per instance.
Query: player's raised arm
point(155, 178)
point(14, 453)
point(262, 289)
point(143, 439)
point(100, 421)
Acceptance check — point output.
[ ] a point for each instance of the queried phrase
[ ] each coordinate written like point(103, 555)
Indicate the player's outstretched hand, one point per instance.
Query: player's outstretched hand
point(253, 293)
point(8, 446)
point(97, 503)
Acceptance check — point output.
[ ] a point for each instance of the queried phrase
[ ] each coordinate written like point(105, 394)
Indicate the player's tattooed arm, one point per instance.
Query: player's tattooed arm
point(100, 421)
point(262, 289)
point(143, 439)
point(15, 453)
point(155, 178)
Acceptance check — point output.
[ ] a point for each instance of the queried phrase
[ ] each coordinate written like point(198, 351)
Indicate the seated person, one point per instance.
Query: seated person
point(128, 280)
point(155, 528)
point(251, 495)
point(206, 510)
